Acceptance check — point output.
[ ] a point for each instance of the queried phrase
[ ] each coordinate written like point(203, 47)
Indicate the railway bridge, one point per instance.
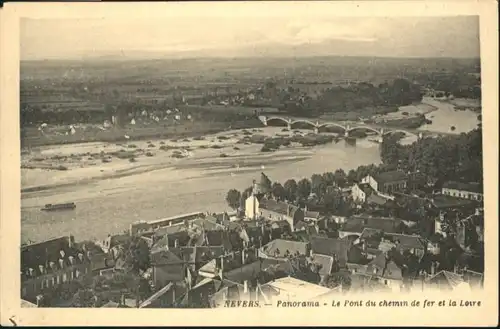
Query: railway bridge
point(347, 127)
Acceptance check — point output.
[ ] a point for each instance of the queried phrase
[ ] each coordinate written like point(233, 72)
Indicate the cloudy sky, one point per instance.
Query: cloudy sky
point(359, 36)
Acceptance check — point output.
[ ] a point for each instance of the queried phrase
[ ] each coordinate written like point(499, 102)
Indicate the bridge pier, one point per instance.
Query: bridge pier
point(381, 139)
point(316, 130)
point(289, 125)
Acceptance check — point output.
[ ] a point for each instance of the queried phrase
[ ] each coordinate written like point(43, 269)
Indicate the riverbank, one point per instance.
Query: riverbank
point(90, 133)
point(87, 162)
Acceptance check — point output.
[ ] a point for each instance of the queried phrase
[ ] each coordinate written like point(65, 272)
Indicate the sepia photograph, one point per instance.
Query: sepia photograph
point(254, 161)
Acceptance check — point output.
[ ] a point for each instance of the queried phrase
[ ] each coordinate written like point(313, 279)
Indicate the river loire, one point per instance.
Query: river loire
point(110, 205)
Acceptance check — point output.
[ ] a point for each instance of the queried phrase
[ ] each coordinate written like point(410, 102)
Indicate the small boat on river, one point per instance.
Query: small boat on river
point(59, 206)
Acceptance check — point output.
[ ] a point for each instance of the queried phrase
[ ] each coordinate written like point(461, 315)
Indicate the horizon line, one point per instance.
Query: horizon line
point(132, 58)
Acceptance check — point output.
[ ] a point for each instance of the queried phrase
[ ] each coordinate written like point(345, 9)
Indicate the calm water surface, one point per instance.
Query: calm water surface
point(111, 205)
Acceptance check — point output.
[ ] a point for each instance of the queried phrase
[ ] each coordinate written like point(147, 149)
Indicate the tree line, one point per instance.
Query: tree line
point(441, 158)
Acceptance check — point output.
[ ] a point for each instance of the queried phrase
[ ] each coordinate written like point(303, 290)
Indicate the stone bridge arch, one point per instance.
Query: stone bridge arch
point(332, 124)
point(279, 119)
point(312, 124)
point(351, 129)
point(389, 132)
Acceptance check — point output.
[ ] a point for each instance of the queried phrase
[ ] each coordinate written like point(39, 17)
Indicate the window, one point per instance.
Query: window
point(24, 291)
point(53, 281)
point(57, 279)
point(41, 284)
point(72, 276)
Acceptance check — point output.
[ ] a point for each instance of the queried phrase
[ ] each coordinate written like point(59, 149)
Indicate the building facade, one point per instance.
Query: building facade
point(471, 191)
point(49, 264)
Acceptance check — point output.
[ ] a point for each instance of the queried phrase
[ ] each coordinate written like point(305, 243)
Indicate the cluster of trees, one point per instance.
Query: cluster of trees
point(322, 191)
point(458, 84)
point(36, 115)
point(357, 96)
point(442, 158)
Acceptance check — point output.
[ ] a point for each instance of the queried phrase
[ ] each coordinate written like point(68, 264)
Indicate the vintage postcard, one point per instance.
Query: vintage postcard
point(266, 163)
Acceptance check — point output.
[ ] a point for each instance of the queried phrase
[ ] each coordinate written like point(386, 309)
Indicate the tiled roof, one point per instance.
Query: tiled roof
point(360, 222)
point(167, 230)
point(312, 214)
point(469, 187)
point(283, 245)
point(325, 262)
point(406, 242)
point(330, 247)
point(390, 176)
point(165, 257)
point(446, 201)
point(280, 224)
point(43, 253)
point(370, 233)
point(208, 223)
point(376, 199)
point(446, 278)
point(156, 295)
point(282, 208)
point(385, 268)
point(293, 288)
point(251, 271)
point(101, 261)
point(366, 188)
point(357, 268)
point(206, 252)
point(231, 261)
point(168, 241)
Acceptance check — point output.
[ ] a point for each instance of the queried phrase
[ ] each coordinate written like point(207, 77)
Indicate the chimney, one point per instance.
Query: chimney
point(71, 241)
point(39, 300)
point(311, 253)
point(88, 254)
point(80, 256)
point(42, 269)
point(305, 208)
point(245, 286)
point(71, 260)
point(62, 253)
point(364, 247)
point(325, 225)
point(243, 256)
point(61, 263)
point(176, 243)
